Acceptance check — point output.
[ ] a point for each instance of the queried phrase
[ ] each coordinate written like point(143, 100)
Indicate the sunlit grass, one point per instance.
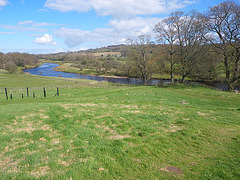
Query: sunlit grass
point(100, 131)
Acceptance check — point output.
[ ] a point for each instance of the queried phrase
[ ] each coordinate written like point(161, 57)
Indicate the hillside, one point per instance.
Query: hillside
point(103, 131)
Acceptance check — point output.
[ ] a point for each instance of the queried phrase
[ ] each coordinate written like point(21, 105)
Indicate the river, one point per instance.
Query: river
point(47, 69)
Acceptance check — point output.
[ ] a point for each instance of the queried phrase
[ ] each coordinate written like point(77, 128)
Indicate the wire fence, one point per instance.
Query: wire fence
point(11, 93)
point(23, 93)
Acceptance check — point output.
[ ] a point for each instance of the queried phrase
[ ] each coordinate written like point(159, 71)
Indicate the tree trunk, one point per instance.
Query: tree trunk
point(183, 75)
point(171, 70)
point(227, 72)
point(144, 80)
point(183, 79)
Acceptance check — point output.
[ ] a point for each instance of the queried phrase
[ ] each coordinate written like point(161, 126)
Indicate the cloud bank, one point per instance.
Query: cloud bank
point(129, 18)
point(117, 33)
point(119, 8)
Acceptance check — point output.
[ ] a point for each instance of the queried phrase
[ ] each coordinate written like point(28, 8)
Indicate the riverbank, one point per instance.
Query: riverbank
point(49, 69)
point(68, 67)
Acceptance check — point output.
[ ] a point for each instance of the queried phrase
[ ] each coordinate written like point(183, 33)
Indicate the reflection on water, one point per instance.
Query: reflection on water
point(47, 69)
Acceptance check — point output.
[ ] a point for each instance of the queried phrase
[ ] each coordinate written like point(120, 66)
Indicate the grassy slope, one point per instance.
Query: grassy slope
point(101, 131)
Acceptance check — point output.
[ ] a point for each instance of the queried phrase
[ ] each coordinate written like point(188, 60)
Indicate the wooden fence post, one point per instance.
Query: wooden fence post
point(44, 92)
point(6, 93)
point(22, 95)
point(33, 95)
point(11, 96)
point(27, 92)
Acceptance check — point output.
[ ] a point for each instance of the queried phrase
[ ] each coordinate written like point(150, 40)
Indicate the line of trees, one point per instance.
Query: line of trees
point(11, 61)
point(193, 44)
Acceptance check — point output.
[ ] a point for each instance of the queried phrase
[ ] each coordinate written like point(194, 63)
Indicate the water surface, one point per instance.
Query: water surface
point(47, 69)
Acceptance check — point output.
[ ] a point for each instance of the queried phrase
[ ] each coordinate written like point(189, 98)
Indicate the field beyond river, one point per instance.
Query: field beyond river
point(99, 130)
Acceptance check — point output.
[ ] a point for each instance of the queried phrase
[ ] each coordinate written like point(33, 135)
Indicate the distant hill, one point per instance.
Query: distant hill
point(114, 50)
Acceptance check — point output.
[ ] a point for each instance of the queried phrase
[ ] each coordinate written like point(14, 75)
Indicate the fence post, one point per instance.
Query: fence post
point(44, 91)
point(6, 93)
point(33, 95)
point(57, 91)
point(27, 92)
point(10, 96)
point(22, 95)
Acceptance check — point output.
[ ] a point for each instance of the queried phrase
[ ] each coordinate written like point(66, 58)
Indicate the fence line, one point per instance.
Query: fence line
point(23, 93)
point(8, 93)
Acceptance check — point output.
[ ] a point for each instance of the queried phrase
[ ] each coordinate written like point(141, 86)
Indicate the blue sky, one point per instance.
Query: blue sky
point(50, 26)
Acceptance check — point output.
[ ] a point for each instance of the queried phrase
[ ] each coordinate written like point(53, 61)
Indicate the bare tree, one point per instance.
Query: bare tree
point(223, 23)
point(166, 31)
point(143, 57)
point(190, 39)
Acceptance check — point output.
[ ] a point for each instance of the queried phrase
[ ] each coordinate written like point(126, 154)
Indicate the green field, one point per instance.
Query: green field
point(96, 130)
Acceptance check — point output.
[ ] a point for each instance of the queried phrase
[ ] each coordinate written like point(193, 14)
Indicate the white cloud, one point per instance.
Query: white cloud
point(117, 33)
point(8, 33)
point(36, 24)
point(29, 25)
point(20, 27)
point(46, 39)
point(25, 22)
point(3, 3)
point(69, 5)
point(119, 8)
point(73, 37)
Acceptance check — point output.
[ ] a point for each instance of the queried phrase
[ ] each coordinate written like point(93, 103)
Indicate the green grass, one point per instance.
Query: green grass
point(101, 131)
point(2, 71)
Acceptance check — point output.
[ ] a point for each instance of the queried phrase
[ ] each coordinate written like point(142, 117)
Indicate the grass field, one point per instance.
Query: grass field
point(95, 130)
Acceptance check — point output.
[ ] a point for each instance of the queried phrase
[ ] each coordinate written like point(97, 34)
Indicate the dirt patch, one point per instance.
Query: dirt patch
point(135, 111)
point(174, 128)
point(45, 127)
point(43, 116)
point(115, 135)
point(101, 169)
point(183, 102)
point(40, 172)
point(172, 169)
point(27, 129)
point(202, 114)
point(42, 139)
point(56, 141)
point(88, 105)
point(119, 136)
point(8, 165)
point(102, 116)
point(137, 160)
point(65, 163)
point(67, 115)
point(130, 106)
